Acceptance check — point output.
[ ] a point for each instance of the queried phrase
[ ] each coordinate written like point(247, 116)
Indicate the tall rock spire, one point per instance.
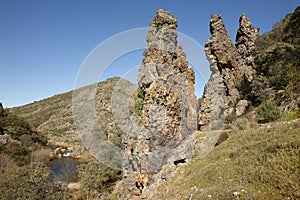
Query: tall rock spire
point(230, 65)
point(169, 112)
point(245, 44)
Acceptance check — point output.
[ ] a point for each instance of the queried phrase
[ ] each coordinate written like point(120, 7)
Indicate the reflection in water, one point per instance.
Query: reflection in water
point(63, 170)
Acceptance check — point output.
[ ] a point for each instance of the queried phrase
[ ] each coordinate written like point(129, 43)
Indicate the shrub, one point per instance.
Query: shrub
point(6, 163)
point(17, 152)
point(290, 116)
point(139, 104)
point(260, 90)
point(231, 117)
point(96, 178)
point(30, 182)
point(268, 111)
point(40, 155)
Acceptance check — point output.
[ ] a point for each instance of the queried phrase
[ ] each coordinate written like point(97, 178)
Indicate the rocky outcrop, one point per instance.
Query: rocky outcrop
point(245, 45)
point(2, 111)
point(169, 112)
point(231, 65)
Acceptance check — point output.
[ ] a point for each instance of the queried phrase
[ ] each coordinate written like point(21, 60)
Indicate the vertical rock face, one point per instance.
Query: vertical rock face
point(230, 65)
point(168, 83)
point(2, 111)
point(245, 38)
point(169, 112)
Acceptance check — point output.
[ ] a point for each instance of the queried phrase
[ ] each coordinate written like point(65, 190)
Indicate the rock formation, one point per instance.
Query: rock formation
point(169, 112)
point(231, 65)
point(2, 111)
point(245, 44)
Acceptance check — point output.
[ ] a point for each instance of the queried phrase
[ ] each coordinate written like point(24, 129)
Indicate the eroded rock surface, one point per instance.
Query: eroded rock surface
point(231, 65)
point(169, 112)
point(2, 111)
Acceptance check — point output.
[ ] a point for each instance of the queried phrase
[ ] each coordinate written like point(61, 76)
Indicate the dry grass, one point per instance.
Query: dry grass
point(258, 163)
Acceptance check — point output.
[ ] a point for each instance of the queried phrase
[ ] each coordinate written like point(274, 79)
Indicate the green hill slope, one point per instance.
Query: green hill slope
point(261, 163)
point(54, 117)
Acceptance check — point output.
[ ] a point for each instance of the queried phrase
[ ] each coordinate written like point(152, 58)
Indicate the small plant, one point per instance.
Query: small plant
point(138, 108)
point(139, 104)
point(268, 111)
point(290, 116)
point(231, 117)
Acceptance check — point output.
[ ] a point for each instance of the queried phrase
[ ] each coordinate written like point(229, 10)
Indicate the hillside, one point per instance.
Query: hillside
point(257, 151)
point(18, 139)
point(53, 116)
point(258, 163)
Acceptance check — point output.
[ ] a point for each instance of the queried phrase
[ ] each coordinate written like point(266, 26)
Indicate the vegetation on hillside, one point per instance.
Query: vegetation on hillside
point(54, 116)
point(97, 180)
point(260, 163)
point(277, 60)
point(253, 163)
point(31, 182)
point(24, 173)
point(18, 139)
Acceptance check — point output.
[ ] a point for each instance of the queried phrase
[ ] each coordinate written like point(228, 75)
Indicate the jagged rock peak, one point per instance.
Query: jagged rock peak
point(162, 37)
point(231, 65)
point(219, 47)
point(169, 105)
point(163, 18)
point(2, 111)
point(217, 25)
point(246, 36)
point(166, 78)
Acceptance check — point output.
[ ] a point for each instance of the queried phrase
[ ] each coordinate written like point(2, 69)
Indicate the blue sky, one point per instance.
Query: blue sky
point(43, 43)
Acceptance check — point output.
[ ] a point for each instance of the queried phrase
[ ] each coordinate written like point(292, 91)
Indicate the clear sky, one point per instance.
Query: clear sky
point(44, 42)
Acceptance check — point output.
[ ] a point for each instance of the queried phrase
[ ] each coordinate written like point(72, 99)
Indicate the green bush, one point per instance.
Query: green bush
point(260, 90)
point(268, 111)
point(277, 63)
point(6, 163)
point(17, 152)
point(290, 116)
point(139, 103)
point(30, 182)
point(96, 178)
point(138, 108)
point(231, 117)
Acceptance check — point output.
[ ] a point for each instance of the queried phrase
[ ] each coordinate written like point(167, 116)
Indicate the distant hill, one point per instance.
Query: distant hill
point(54, 117)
